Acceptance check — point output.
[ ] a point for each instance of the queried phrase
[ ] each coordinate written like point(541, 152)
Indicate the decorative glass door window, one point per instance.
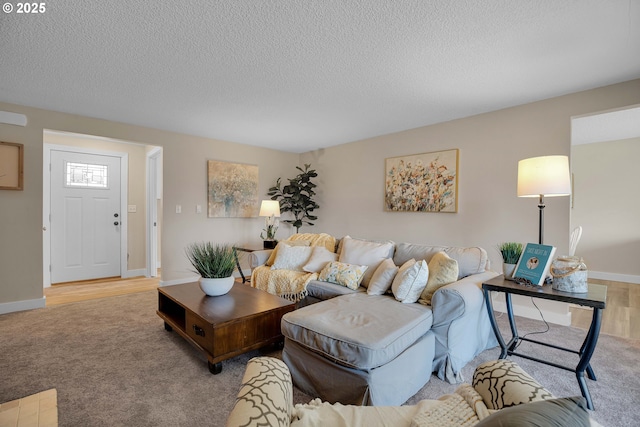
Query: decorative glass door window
point(86, 175)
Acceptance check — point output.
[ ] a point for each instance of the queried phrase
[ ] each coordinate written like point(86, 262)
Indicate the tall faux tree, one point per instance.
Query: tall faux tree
point(297, 197)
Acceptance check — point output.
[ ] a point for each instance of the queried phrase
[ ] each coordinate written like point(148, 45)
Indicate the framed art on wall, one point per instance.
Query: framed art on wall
point(425, 182)
point(232, 190)
point(11, 166)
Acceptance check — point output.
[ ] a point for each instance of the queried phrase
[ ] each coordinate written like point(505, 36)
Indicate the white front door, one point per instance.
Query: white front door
point(85, 216)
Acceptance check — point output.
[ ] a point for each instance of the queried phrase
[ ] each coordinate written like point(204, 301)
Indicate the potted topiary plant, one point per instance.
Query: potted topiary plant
point(297, 197)
point(215, 264)
point(510, 252)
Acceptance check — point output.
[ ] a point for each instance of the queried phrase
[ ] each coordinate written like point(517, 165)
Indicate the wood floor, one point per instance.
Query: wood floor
point(619, 316)
point(623, 301)
point(64, 293)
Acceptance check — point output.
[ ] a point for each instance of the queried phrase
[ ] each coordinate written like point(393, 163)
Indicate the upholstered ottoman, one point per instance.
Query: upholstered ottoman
point(360, 349)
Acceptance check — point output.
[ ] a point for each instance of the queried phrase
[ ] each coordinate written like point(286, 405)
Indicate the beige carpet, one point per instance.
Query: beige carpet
point(36, 410)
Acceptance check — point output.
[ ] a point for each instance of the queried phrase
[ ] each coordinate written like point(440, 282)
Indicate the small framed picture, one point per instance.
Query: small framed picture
point(11, 166)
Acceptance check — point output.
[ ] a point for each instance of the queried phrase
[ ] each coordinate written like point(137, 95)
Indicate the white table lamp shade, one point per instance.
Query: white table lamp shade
point(544, 176)
point(270, 207)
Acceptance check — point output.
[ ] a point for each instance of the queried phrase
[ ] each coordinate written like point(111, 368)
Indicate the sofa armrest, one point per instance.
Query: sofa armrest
point(258, 258)
point(266, 395)
point(453, 300)
point(461, 325)
point(502, 383)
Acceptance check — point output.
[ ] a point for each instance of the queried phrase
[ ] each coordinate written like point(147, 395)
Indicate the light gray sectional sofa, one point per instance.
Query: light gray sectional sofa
point(344, 345)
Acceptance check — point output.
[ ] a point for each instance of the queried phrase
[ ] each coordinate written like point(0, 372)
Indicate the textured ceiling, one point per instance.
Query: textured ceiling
point(300, 75)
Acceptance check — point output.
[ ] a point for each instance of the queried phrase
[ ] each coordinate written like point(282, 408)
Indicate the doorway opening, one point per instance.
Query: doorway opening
point(80, 219)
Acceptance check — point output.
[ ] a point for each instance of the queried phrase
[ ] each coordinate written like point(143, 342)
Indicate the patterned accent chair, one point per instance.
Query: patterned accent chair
point(501, 394)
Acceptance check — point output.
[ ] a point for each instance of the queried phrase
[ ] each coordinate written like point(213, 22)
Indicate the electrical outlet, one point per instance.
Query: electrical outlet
point(198, 209)
point(178, 209)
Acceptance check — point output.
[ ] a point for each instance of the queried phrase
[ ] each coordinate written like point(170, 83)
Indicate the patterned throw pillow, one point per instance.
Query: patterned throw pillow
point(266, 395)
point(410, 281)
point(348, 275)
point(442, 271)
point(502, 383)
point(291, 257)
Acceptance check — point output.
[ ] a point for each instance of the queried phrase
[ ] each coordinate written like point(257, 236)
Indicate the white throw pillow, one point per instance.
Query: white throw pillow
point(291, 257)
point(365, 252)
point(383, 277)
point(320, 257)
point(410, 281)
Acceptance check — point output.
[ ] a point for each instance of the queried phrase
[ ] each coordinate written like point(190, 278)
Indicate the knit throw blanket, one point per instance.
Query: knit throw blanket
point(464, 408)
point(289, 284)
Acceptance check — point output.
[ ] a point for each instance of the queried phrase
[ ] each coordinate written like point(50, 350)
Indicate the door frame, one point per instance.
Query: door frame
point(46, 203)
point(154, 189)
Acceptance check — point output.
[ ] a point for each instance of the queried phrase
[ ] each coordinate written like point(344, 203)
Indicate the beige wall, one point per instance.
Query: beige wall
point(351, 178)
point(184, 183)
point(606, 204)
point(136, 190)
point(351, 183)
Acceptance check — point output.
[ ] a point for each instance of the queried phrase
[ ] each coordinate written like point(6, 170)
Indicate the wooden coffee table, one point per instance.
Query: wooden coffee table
point(224, 326)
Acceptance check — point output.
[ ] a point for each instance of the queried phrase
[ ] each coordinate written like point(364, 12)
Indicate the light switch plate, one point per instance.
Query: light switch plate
point(132, 208)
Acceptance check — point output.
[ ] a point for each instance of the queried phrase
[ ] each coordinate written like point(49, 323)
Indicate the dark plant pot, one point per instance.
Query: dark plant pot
point(269, 244)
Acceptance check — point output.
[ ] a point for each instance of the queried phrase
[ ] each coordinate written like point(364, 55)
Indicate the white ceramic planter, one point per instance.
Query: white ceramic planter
point(508, 270)
point(216, 287)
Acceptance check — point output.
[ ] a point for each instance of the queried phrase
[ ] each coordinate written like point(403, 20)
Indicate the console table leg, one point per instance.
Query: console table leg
point(215, 368)
point(494, 324)
point(167, 327)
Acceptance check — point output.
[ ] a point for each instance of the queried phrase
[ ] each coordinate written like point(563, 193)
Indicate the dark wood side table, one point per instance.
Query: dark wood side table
point(225, 326)
point(239, 249)
point(596, 297)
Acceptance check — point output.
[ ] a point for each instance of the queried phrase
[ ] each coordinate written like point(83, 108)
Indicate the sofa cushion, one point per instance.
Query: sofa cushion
point(358, 330)
point(326, 290)
point(365, 252)
point(382, 278)
point(348, 275)
point(291, 257)
point(442, 271)
point(320, 257)
point(410, 281)
point(470, 260)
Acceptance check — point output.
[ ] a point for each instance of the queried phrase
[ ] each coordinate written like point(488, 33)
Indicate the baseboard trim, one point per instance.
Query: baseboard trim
point(177, 281)
point(30, 304)
point(193, 279)
point(616, 277)
point(135, 273)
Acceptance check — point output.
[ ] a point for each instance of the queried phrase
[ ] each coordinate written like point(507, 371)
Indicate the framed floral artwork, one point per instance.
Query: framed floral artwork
point(425, 182)
point(232, 190)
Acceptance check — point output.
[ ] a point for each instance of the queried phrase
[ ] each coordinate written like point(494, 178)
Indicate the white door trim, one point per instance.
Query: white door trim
point(153, 194)
point(46, 204)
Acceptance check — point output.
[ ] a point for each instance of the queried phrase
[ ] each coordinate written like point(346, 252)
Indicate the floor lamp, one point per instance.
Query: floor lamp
point(546, 176)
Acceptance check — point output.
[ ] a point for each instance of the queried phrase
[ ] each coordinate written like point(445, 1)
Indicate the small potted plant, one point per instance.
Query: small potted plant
point(215, 264)
point(510, 252)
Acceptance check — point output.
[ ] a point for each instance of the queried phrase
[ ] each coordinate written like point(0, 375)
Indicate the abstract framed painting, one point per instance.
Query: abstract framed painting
point(232, 190)
point(425, 182)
